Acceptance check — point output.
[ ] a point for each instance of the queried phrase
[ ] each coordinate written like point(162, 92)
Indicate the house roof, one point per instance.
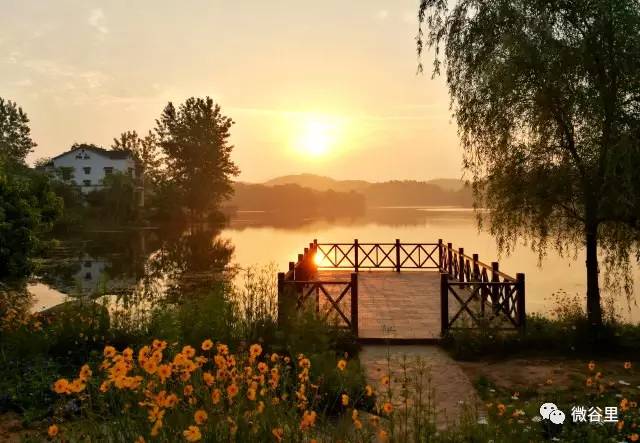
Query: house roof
point(114, 155)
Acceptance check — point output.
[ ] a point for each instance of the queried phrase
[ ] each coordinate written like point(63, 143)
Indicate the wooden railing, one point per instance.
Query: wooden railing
point(481, 294)
point(395, 256)
point(332, 299)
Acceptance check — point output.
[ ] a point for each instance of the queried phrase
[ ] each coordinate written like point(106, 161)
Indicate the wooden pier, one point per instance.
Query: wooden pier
point(402, 292)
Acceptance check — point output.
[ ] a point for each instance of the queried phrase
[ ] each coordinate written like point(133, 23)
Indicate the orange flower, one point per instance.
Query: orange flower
point(342, 364)
point(188, 351)
point(345, 399)
point(274, 357)
point(61, 386)
point(255, 350)
point(53, 431)
point(207, 345)
point(387, 408)
point(192, 433)
point(308, 420)
point(262, 367)
point(634, 437)
point(109, 351)
point(620, 425)
point(232, 390)
point(156, 414)
point(591, 366)
point(627, 365)
point(188, 390)
point(200, 417)
point(278, 433)
point(222, 349)
point(215, 396)
point(85, 373)
point(164, 372)
point(208, 378)
point(159, 344)
point(589, 381)
point(251, 394)
point(385, 380)
point(624, 404)
point(501, 408)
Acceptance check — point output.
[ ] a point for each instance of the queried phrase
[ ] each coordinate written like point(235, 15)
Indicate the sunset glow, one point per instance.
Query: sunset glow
point(318, 136)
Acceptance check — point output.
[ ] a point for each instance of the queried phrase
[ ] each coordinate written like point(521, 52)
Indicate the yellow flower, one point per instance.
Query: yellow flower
point(61, 386)
point(385, 380)
point(387, 408)
point(207, 345)
point(627, 365)
point(501, 408)
point(77, 386)
point(156, 414)
point(368, 390)
point(342, 364)
point(591, 366)
point(128, 354)
point(200, 417)
point(222, 349)
point(255, 350)
point(109, 351)
point(278, 433)
point(251, 394)
point(53, 431)
point(150, 366)
point(274, 357)
point(192, 433)
point(232, 390)
point(215, 396)
point(344, 398)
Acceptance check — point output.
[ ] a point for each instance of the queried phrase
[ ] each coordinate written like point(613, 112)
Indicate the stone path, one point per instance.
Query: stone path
point(453, 392)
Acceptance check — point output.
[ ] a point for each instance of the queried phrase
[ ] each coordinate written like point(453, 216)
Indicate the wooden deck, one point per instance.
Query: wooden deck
point(395, 305)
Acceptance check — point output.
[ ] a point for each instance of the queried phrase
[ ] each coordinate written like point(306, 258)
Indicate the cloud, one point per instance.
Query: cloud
point(97, 21)
point(382, 14)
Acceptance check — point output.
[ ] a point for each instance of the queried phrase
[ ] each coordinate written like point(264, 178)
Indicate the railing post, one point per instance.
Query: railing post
point(461, 264)
point(495, 291)
point(397, 255)
point(444, 303)
point(522, 315)
point(355, 250)
point(476, 268)
point(440, 255)
point(281, 300)
point(354, 303)
point(450, 257)
point(299, 272)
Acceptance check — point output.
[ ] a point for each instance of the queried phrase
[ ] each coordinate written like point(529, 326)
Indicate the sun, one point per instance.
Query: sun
point(318, 136)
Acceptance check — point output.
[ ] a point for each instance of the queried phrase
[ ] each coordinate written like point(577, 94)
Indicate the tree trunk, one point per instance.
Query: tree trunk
point(594, 310)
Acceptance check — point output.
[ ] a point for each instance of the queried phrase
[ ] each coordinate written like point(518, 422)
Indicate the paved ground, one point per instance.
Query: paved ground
point(453, 393)
point(401, 305)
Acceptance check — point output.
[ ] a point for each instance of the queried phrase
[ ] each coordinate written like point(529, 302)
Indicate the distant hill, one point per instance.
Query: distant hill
point(322, 183)
point(319, 182)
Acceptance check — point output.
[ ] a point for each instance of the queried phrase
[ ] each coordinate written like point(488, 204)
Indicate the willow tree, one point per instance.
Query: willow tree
point(546, 95)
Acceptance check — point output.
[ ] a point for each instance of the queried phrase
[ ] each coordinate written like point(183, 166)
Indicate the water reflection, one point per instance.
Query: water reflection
point(164, 264)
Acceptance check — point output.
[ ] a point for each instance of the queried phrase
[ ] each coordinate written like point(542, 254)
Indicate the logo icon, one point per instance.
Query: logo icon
point(546, 409)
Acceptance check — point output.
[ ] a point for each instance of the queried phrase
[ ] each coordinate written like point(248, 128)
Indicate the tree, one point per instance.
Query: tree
point(546, 95)
point(145, 153)
point(195, 140)
point(28, 209)
point(115, 201)
point(15, 134)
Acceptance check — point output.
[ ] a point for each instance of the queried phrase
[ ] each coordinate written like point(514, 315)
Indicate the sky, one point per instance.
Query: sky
point(327, 87)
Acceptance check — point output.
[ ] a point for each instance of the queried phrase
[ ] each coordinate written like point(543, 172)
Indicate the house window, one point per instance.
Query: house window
point(87, 170)
point(86, 182)
point(108, 170)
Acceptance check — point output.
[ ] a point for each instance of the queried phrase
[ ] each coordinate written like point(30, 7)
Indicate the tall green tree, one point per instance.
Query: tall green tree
point(195, 141)
point(15, 134)
point(144, 151)
point(546, 95)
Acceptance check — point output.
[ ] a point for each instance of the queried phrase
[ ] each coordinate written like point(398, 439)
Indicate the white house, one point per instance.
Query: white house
point(87, 165)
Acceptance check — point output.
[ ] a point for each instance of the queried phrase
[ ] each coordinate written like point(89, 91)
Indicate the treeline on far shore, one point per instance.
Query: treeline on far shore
point(293, 198)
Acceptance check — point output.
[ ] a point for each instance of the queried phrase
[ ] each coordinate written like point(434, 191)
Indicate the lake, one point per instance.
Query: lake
point(170, 259)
